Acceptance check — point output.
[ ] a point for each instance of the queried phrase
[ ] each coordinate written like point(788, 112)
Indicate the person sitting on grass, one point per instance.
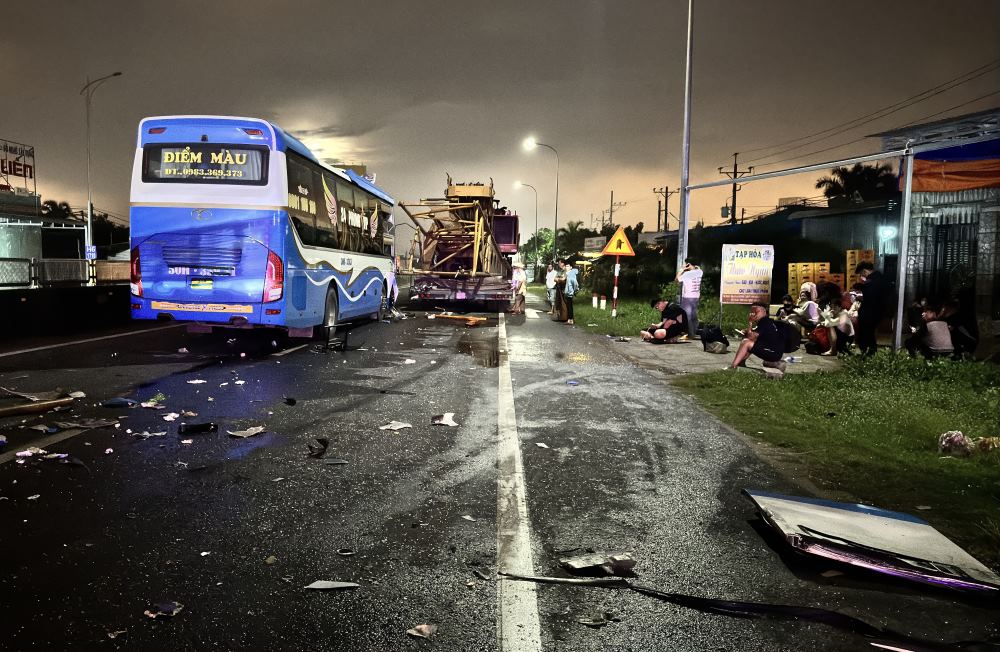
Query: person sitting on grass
point(839, 327)
point(787, 308)
point(805, 314)
point(933, 338)
point(762, 339)
point(671, 326)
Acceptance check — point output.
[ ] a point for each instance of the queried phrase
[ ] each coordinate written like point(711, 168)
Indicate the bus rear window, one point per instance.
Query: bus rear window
point(205, 163)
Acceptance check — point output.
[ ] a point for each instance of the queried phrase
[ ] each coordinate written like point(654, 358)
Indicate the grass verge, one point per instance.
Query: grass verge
point(634, 315)
point(871, 430)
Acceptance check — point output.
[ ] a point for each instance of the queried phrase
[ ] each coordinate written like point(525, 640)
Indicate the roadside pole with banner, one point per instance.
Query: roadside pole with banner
point(617, 246)
point(746, 274)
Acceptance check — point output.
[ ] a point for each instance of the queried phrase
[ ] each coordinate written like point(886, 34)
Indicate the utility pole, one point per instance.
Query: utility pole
point(611, 210)
point(734, 175)
point(659, 210)
point(665, 192)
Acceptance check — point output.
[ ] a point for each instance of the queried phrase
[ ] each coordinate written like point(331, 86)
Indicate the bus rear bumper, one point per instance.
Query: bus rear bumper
point(237, 315)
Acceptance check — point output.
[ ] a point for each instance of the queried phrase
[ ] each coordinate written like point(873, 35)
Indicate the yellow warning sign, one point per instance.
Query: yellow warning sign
point(618, 245)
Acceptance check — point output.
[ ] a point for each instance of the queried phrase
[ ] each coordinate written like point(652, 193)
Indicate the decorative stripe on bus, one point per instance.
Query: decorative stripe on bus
point(336, 280)
point(200, 307)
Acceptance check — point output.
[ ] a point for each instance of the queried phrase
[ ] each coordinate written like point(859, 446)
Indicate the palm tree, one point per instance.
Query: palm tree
point(571, 236)
point(59, 210)
point(869, 182)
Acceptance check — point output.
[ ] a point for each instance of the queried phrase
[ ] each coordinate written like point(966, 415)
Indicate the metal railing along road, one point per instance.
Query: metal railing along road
point(61, 272)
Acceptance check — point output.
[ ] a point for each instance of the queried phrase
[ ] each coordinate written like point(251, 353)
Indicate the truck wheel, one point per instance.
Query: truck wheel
point(329, 326)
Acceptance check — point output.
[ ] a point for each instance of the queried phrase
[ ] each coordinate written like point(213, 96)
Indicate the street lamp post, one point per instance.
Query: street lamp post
point(534, 190)
point(530, 144)
point(88, 92)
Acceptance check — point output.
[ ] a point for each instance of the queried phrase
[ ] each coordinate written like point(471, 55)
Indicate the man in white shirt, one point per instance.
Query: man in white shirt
point(550, 287)
point(690, 280)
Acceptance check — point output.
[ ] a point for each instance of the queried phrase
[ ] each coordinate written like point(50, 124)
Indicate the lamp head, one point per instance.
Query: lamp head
point(529, 143)
point(517, 184)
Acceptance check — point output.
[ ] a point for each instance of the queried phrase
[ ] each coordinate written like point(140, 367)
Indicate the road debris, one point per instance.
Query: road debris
point(614, 563)
point(624, 339)
point(599, 619)
point(28, 452)
point(35, 407)
point(422, 631)
point(152, 405)
point(895, 544)
point(270, 559)
point(573, 382)
point(3, 440)
point(145, 434)
point(276, 479)
point(77, 395)
point(327, 585)
point(481, 575)
point(108, 451)
point(446, 419)
point(541, 444)
point(249, 432)
point(85, 424)
point(318, 449)
point(170, 416)
point(883, 638)
point(35, 397)
point(333, 461)
point(469, 518)
point(183, 350)
point(205, 554)
point(289, 400)
point(346, 552)
point(395, 425)
point(187, 441)
point(197, 428)
point(164, 610)
point(197, 381)
point(35, 497)
point(118, 632)
point(409, 361)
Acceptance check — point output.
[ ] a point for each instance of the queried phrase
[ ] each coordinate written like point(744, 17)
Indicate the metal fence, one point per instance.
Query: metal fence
point(56, 272)
point(15, 272)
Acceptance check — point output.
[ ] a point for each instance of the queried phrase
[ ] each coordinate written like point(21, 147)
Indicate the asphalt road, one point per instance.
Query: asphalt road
point(630, 465)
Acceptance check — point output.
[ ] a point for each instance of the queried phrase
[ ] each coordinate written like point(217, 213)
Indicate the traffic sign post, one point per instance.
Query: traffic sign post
point(619, 246)
point(90, 252)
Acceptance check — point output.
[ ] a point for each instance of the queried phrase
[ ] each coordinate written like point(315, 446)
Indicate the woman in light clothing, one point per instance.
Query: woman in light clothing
point(838, 324)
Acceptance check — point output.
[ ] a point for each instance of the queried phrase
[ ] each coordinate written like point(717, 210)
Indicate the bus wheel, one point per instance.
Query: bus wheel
point(329, 326)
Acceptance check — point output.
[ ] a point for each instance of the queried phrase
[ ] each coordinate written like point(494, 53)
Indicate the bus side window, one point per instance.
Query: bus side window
point(326, 215)
point(350, 239)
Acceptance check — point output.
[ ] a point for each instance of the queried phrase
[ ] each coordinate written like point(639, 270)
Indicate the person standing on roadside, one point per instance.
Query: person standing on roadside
point(550, 287)
point(572, 286)
point(690, 280)
point(519, 283)
point(872, 306)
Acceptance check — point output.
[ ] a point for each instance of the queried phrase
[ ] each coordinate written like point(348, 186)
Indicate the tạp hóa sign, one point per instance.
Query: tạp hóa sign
point(746, 273)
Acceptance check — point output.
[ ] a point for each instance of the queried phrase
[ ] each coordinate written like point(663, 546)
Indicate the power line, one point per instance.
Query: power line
point(881, 113)
point(858, 140)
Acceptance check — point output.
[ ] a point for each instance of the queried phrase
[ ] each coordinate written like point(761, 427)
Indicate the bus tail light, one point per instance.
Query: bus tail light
point(274, 277)
point(157, 130)
point(253, 132)
point(135, 273)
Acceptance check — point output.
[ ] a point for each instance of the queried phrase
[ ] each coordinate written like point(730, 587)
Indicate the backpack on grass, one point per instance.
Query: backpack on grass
point(713, 340)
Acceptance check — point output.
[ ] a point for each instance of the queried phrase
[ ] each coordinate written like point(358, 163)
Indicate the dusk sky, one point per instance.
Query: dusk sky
point(418, 89)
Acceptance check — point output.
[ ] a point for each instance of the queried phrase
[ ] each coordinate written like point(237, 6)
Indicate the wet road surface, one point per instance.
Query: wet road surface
point(630, 464)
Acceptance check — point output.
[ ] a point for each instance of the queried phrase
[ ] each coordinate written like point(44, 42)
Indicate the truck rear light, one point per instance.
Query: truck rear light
point(274, 277)
point(157, 130)
point(135, 273)
point(253, 132)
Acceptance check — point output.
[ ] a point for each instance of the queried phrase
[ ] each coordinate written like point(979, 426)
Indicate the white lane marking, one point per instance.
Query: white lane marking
point(518, 628)
point(287, 351)
point(90, 339)
point(531, 312)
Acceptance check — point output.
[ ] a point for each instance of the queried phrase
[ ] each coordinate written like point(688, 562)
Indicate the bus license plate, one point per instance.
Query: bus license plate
point(201, 271)
point(201, 284)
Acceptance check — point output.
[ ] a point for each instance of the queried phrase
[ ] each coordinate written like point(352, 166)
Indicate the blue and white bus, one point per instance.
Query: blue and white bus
point(236, 223)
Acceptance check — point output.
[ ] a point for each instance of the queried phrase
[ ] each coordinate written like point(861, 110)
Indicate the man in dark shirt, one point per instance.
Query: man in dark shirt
point(872, 306)
point(762, 339)
point(672, 324)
